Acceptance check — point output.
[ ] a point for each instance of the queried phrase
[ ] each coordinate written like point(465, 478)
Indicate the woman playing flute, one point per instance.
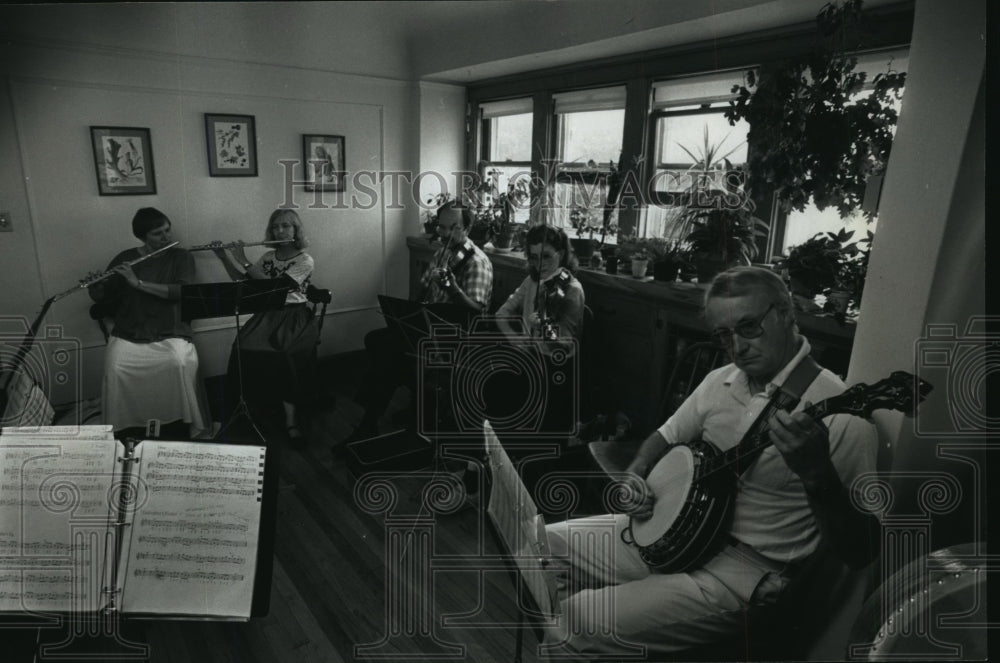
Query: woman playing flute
point(150, 365)
point(288, 334)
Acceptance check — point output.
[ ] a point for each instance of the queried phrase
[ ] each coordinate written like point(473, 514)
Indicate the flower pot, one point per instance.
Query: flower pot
point(584, 248)
point(479, 235)
point(611, 265)
point(707, 267)
point(665, 270)
point(639, 266)
point(504, 240)
point(838, 300)
point(800, 288)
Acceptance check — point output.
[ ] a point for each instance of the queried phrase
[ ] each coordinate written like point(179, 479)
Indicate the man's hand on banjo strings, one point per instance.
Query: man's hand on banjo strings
point(633, 496)
point(804, 443)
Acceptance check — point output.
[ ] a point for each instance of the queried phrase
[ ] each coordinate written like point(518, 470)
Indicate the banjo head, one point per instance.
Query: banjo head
point(670, 481)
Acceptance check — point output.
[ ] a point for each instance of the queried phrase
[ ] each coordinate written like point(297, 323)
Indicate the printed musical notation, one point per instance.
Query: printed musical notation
point(156, 523)
point(54, 487)
point(192, 559)
point(194, 525)
point(205, 576)
point(200, 525)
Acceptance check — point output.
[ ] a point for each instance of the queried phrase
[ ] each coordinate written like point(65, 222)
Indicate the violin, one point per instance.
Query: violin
point(448, 263)
point(554, 293)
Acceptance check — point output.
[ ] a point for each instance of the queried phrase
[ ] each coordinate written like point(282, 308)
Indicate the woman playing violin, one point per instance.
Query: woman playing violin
point(151, 365)
point(288, 334)
point(550, 301)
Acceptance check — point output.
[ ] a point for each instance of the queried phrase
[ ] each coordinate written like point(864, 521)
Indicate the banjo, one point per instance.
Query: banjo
point(694, 485)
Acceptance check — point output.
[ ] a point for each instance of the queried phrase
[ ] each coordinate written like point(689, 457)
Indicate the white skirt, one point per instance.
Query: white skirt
point(144, 381)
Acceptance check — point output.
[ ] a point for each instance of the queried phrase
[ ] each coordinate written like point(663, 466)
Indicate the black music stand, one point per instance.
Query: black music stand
point(217, 300)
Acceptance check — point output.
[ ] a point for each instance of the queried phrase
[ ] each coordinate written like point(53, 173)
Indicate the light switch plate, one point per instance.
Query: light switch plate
point(6, 225)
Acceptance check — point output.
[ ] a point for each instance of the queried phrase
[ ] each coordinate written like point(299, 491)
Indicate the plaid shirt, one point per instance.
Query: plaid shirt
point(475, 278)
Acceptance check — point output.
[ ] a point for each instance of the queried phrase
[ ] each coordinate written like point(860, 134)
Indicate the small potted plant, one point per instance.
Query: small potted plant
point(434, 204)
point(494, 210)
point(634, 252)
point(664, 256)
point(586, 222)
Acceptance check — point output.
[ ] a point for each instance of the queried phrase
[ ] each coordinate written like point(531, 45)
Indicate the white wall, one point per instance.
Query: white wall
point(442, 136)
point(64, 229)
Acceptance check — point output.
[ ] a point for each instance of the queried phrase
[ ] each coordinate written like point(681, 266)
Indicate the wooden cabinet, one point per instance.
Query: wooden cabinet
point(639, 328)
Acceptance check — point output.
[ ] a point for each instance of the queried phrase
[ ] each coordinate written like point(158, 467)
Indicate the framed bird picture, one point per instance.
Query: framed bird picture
point(123, 159)
point(323, 157)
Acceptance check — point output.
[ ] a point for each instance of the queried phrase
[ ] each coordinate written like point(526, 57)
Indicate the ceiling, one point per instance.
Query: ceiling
point(449, 41)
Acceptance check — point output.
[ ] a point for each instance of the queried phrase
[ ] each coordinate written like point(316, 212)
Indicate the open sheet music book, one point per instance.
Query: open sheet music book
point(158, 528)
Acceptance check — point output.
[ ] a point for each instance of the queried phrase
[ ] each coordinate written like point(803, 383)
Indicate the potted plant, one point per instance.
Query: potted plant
point(434, 204)
point(815, 265)
point(585, 222)
point(721, 238)
point(851, 277)
point(635, 253)
point(709, 168)
point(494, 210)
point(812, 136)
point(664, 256)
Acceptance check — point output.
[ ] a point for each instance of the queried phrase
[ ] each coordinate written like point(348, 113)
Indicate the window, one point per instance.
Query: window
point(794, 227)
point(506, 141)
point(589, 129)
point(693, 147)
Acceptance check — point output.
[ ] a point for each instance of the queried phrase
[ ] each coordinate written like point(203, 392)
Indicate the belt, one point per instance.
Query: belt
point(784, 568)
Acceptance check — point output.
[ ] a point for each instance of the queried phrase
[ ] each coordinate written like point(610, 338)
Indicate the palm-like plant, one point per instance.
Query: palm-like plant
point(708, 155)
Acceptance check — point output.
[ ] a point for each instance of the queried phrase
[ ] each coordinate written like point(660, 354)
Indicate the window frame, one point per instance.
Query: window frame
point(887, 27)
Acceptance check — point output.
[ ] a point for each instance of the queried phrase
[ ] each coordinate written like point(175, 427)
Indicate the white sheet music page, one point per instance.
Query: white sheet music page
point(194, 532)
point(516, 517)
point(55, 487)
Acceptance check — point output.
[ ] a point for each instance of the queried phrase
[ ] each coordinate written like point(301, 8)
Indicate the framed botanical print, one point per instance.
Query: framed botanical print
point(323, 157)
point(232, 145)
point(123, 160)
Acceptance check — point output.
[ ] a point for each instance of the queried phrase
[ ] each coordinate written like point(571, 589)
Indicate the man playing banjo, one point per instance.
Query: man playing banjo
point(786, 498)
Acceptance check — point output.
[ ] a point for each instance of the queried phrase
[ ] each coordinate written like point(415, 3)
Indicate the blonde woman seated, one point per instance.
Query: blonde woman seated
point(288, 333)
point(151, 365)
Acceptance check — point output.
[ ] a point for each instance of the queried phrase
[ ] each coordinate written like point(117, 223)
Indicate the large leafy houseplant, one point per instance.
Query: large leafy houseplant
point(722, 237)
point(811, 135)
point(816, 265)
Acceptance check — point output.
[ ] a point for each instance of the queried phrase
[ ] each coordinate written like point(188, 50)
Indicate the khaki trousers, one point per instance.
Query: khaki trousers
point(614, 604)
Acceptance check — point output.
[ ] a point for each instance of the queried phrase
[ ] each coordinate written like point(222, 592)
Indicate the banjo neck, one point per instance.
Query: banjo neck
point(899, 391)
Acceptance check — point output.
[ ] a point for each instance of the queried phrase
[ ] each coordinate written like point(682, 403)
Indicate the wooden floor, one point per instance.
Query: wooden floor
point(332, 598)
